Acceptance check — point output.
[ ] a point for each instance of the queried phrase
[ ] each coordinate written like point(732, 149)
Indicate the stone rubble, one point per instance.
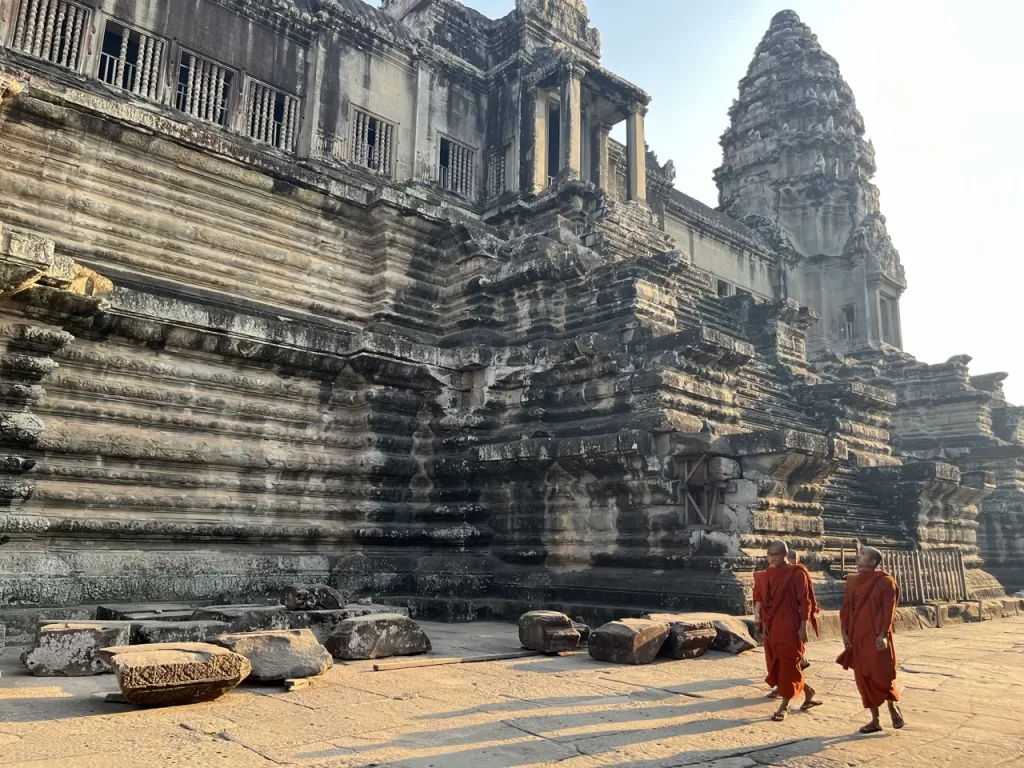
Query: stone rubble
point(688, 638)
point(279, 654)
point(170, 674)
point(245, 618)
point(73, 649)
point(628, 641)
point(377, 636)
point(313, 597)
point(548, 632)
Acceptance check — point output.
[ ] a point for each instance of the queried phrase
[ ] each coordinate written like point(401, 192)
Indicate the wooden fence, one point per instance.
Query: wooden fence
point(929, 576)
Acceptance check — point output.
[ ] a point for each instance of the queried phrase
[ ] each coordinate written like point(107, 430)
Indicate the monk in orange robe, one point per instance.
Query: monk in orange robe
point(758, 600)
point(869, 607)
point(786, 611)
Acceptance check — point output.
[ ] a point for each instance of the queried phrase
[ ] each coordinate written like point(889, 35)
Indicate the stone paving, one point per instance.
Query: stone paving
point(963, 697)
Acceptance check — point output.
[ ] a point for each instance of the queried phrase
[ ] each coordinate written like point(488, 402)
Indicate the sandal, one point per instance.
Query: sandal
point(871, 728)
point(810, 705)
point(779, 716)
point(897, 719)
point(773, 694)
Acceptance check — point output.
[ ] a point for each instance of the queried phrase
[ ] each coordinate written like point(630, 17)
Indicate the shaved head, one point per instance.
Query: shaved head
point(873, 554)
point(779, 546)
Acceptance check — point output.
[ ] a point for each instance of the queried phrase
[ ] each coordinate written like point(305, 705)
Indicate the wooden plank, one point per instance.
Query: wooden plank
point(388, 666)
point(963, 574)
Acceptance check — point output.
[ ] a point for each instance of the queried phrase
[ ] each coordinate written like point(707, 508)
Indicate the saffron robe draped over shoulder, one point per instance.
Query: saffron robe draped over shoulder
point(869, 607)
point(788, 597)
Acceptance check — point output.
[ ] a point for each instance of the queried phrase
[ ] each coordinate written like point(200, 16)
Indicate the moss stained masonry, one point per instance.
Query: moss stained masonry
point(227, 365)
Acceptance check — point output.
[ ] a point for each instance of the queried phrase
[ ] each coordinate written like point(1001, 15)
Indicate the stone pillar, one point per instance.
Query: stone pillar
point(540, 140)
point(636, 154)
point(602, 134)
point(571, 130)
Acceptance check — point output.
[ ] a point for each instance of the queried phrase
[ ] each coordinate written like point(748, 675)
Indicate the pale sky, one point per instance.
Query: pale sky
point(939, 84)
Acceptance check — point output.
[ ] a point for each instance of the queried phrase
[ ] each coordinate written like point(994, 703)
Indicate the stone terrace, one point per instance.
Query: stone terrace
point(963, 691)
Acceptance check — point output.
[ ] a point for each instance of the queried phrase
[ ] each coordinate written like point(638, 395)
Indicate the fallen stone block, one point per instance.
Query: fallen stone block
point(148, 632)
point(732, 633)
point(124, 611)
point(997, 608)
point(72, 649)
point(323, 622)
point(377, 636)
point(280, 654)
point(547, 632)
point(312, 597)
point(168, 674)
point(245, 618)
point(628, 641)
point(687, 638)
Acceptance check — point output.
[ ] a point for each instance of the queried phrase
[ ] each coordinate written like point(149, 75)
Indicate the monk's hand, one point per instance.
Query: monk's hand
point(803, 632)
point(846, 640)
point(882, 642)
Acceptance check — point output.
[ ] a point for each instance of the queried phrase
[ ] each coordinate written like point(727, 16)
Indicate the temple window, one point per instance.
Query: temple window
point(497, 168)
point(131, 60)
point(204, 89)
point(848, 322)
point(724, 289)
point(373, 142)
point(554, 141)
point(51, 30)
point(271, 117)
point(455, 168)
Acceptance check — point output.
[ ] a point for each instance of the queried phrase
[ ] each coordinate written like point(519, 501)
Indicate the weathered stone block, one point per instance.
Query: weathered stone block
point(168, 674)
point(145, 611)
point(628, 641)
point(322, 622)
point(911, 617)
point(721, 468)
point(731, 635)
point(311, 597)
point(280, 654)
point(245, 618)
point(376, 637)
point(687, 638)
point(547, 632)
point(72, 649)
point(147, 632)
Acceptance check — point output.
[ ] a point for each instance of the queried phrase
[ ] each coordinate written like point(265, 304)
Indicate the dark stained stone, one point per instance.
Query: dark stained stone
point(312, 597)
point(628, 641)
point(732, 635)
point(245, 618)
point(547, 632)
point(168, 674)
point(687, 638)
point(376, 637)
point(146, 632)
point(124, 611)
point(280, 654)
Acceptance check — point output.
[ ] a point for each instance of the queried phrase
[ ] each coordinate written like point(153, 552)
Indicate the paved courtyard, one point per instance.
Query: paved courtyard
point(963, 699)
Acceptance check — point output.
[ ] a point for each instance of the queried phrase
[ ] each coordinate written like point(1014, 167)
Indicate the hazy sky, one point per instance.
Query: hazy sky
point(940, 86)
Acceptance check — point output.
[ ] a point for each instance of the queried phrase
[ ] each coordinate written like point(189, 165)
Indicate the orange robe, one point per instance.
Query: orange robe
point(869, 607)
point(815, 610)
point(787, 603)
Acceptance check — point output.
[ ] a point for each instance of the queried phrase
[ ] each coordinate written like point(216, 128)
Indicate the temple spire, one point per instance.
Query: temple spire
point(795, 157)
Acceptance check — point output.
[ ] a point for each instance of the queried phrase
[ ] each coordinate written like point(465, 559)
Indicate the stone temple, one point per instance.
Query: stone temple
point(309, 290)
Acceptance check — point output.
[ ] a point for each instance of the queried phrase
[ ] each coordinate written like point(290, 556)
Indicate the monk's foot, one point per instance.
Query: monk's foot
point(804, 664)
point(873, 727)
point(810, 704)
point(897, 716)
point(779, 716)
point(773, 694)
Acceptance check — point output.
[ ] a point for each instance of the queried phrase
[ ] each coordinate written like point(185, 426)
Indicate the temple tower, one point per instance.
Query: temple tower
point(795, 158)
